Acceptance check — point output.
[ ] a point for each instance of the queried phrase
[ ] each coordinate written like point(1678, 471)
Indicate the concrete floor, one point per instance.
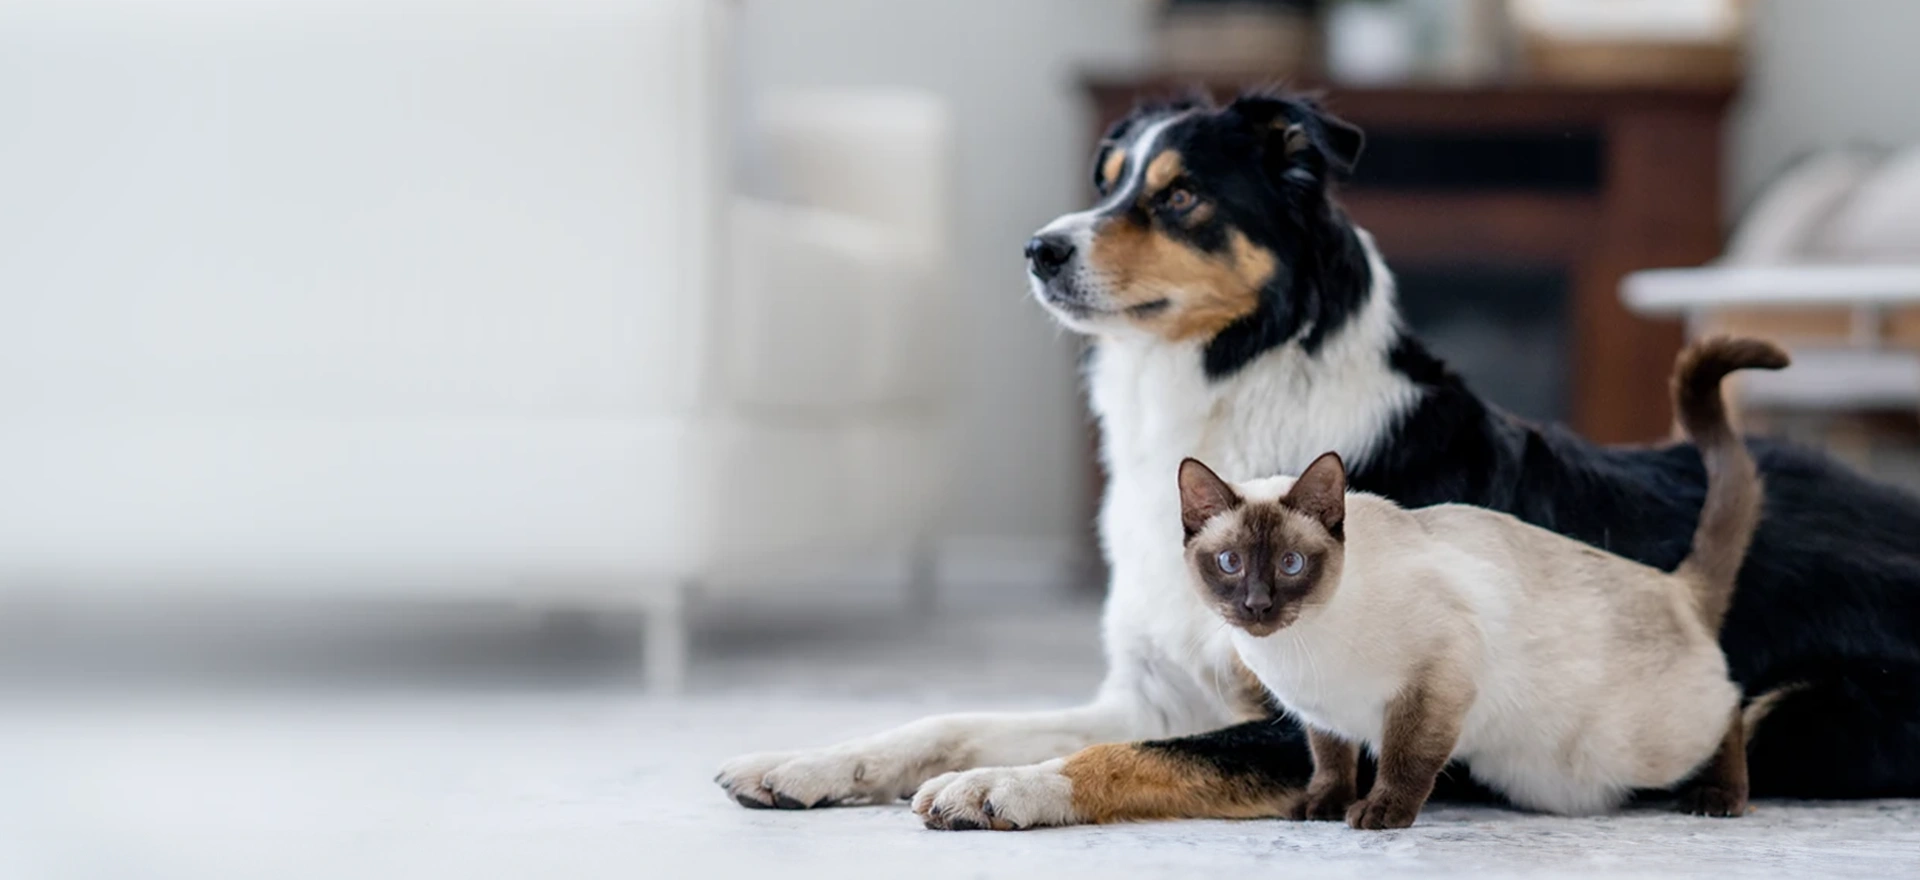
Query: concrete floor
point(441, 769)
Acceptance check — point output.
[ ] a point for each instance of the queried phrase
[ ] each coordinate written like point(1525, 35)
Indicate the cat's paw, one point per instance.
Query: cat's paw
point(998, 799)
point(1330, 805)
point(806, 780)
point(1718, 801)
point(1378, 813)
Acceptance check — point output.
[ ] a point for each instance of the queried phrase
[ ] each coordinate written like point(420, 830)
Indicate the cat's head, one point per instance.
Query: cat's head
point(1261, 563)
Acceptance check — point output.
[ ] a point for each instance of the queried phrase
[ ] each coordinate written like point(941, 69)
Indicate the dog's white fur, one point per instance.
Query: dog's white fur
point(1170, 662)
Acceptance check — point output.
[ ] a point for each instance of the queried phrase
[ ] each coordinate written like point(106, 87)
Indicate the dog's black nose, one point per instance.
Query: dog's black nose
point(1048, 254)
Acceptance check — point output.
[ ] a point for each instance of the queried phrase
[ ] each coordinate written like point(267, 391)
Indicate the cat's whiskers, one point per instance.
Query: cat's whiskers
point(1301, 657)
point(1209, 636)
point(1192, 647)
point(1313, 671)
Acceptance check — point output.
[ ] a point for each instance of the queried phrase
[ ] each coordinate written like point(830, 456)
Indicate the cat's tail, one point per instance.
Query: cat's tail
point(1734, 493)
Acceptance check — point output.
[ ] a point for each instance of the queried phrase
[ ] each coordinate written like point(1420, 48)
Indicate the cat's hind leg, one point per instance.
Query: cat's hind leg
point(1720, 789)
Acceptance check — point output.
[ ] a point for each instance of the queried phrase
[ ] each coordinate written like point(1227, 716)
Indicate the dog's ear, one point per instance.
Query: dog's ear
point(1321, 493)
point(1344, 141)
point(1297, 133)
point(1203, 496)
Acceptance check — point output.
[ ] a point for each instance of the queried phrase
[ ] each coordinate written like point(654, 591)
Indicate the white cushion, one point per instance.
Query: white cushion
point(1881, 223)
point(1787, 223)
point(781, 493)
point(824, 311)
point(883, 154)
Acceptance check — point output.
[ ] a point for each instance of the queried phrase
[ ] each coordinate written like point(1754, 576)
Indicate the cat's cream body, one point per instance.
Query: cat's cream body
point(1592, 675)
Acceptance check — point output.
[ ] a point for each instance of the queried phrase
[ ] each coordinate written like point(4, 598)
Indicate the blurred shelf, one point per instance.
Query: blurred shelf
point(1847, 355)
point(1838, 380)
point(1675, 291)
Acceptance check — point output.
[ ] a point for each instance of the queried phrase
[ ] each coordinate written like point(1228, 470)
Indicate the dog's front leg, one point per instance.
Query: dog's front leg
point(891, 765)
point(1258, 769)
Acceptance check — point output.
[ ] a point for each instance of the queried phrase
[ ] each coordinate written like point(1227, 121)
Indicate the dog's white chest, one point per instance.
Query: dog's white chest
point(1157, 407)
point(1274, 415)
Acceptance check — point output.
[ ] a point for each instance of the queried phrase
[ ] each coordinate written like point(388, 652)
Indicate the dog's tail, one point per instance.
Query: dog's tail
point(1734, 493)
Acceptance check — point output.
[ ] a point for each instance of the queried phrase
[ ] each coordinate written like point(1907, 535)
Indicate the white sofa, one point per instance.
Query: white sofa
point(426, 298)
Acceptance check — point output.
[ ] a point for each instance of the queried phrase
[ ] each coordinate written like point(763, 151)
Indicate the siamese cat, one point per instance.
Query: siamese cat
point(1564, 676)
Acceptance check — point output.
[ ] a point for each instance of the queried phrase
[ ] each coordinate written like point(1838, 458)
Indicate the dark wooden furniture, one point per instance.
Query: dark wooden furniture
point(1599, 182)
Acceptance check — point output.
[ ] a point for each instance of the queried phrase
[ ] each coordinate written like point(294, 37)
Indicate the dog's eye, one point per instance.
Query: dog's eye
point(1229, 562)
point(1292, 563)
point(1181, 199)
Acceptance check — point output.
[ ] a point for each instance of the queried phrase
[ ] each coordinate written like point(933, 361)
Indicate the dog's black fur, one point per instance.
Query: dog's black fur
point(1828, 605)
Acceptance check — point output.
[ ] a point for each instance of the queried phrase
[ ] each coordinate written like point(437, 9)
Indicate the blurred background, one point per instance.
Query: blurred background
point(659, 345)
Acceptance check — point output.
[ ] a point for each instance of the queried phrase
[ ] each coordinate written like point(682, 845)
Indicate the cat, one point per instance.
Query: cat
point(1564, 676)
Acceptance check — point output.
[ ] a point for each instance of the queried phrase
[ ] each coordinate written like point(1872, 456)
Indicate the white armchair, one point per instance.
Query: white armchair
point(1827, 261)
point(829, 338)
point(425, 299)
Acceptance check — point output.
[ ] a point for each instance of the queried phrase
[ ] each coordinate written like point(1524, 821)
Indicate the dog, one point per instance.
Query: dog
point(1239, 317)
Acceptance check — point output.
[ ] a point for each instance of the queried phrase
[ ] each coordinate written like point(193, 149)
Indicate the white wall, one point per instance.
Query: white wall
point(1824, 74)
point(1009, 67)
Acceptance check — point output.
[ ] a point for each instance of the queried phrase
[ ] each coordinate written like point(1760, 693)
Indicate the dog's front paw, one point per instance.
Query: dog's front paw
point(998, 798)
point(805, 780)
point(1382, 812)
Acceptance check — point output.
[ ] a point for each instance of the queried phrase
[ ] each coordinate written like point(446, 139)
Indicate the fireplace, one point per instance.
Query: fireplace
point(1483, 319)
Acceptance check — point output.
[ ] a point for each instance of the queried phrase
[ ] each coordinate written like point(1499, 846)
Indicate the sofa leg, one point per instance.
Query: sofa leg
point(666, 643)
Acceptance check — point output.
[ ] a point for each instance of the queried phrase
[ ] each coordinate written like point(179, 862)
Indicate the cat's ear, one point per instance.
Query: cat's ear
point(1321, 492)
point(1203, 496)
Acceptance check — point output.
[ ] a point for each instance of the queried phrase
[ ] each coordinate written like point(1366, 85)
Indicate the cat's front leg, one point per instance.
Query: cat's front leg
point(1331, 790)
point(1422, 727)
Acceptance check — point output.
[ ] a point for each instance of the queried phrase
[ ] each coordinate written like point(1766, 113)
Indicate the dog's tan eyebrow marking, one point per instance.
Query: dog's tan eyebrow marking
point(1164, 169)
point(1110, 169)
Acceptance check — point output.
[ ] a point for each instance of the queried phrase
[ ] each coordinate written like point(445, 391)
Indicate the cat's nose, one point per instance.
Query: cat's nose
point(1256, 601)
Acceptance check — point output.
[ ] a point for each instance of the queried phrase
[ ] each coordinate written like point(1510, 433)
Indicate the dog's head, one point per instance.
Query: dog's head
point(1213, 224)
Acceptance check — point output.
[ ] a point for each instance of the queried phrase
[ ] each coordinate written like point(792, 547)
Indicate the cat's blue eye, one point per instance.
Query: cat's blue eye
point(1292, 563)
point(1229, 562)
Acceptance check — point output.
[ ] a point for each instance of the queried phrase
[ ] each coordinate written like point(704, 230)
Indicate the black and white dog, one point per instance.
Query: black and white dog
point(1241, 319)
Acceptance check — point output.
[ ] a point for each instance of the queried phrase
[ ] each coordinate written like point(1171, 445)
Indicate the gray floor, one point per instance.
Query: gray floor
point(499, 748)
